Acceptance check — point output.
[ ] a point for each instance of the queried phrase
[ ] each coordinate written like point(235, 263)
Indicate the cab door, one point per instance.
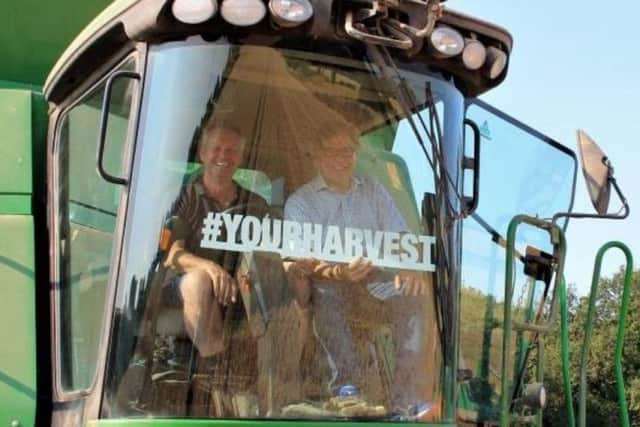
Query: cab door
point(86, 217)
point(522, 171)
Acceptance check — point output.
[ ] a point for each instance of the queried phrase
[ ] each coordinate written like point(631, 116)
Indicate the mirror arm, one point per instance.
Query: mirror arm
point(625, 205)
point(622, 214)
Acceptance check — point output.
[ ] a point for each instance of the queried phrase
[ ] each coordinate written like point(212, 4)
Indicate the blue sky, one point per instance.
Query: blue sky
point(575, 65)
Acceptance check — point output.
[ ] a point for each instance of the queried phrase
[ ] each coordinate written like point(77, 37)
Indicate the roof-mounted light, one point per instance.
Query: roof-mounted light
point(496, 62)
point(290, 13)
point(474, 54)
point(194, 11)
point(243, 12)
point(446, 41)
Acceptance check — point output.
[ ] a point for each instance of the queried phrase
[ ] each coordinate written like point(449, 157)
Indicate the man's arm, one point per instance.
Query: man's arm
point(411, 283)
point(355, 271)
point(318, 270)
point(224, 287)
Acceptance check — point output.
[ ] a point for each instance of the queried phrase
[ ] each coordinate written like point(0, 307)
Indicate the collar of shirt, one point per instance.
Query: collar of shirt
point(198, 186)
point(319, 184)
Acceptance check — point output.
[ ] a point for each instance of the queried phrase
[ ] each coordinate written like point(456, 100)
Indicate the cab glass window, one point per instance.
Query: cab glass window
point(278, 264)
point(87, 208)
point(522, 173)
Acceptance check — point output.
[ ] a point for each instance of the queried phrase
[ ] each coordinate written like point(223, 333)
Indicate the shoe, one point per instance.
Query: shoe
point(348, 390)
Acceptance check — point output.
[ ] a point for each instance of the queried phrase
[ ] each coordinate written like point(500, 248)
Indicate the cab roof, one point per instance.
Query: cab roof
point(130, 21)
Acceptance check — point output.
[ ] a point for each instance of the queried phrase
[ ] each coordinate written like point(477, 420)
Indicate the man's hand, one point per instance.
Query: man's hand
point(299, 278)
point(224, 287)
point(410, 283)
point(356, 271)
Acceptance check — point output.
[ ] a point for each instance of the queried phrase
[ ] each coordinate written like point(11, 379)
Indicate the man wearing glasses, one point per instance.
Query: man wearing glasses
point(329, 295)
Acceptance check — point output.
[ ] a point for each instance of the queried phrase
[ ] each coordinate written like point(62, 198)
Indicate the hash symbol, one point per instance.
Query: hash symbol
point(210, 229)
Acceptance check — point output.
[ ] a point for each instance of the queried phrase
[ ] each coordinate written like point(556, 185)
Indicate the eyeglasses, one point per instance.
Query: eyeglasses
point(340, 152)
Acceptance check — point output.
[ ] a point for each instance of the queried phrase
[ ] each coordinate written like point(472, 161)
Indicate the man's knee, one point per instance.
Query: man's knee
point(195, 286)
point(210, 346)
point(201, 313)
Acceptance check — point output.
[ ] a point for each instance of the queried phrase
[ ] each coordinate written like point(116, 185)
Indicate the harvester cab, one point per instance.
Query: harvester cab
point(285, 211)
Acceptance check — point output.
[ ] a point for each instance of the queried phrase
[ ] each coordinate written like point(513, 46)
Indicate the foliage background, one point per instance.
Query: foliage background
point(602, 405)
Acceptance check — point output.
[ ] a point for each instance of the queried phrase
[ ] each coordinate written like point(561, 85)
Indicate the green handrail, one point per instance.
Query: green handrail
point(588, 328)
point(559, 245)
point(522, 340)
point(564, 350)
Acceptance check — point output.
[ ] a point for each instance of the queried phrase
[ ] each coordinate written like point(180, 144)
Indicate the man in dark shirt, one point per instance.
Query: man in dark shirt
point(205, 283)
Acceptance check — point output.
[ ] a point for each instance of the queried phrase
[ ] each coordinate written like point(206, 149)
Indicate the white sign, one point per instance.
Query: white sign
point(404, 251)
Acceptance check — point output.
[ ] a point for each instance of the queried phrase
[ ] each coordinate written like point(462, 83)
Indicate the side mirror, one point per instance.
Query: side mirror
point(597, 172)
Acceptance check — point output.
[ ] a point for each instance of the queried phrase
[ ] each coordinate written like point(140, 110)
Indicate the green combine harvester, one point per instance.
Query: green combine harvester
point(103, 131)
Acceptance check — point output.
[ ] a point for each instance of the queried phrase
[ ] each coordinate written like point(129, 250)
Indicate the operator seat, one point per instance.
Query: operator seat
point(391, 171)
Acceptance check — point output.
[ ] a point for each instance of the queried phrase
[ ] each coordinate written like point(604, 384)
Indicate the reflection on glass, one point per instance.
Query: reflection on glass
point(86, 220)
point(277, 264)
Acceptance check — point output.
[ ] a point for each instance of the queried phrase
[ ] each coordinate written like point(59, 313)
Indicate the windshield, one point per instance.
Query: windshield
point(278, 261)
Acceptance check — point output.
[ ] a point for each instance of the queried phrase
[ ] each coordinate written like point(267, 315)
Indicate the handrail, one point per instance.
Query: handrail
point(622, 401)
point(559, 245)
point(104, 118)
point(564, 351)
point(522, 339)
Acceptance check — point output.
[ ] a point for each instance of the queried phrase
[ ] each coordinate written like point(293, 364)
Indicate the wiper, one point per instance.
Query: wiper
point(435, 138)
point(406, 101)
point(404, 97)
point(445, 293)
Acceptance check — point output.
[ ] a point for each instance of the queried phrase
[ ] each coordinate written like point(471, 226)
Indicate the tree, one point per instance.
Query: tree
point(602, 405)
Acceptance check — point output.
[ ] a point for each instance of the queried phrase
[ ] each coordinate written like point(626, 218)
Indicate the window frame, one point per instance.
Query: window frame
point(136, 55)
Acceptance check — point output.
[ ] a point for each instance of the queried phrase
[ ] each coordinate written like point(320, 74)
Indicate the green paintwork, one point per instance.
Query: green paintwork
point(17, 293)
point(39, 128)
point(248, 423)
point(391, 171)
point(588, 328)
point(564, 349)
point(114, 9)
point(23, 126)
point(15, 150)
point(15, 204)
point(34, 34)
point(6, 84)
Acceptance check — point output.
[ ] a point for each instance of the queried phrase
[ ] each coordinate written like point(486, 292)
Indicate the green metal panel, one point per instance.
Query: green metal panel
point(391, 171)
point(23, 126)
point(15, 150)
point(17, 315)
point(15, 204)
point(39, 127)
point(6, 84)
point(34, 33)
point(97, 24)
point(249, 423)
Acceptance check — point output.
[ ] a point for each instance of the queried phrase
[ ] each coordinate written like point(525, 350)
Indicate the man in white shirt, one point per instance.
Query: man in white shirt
point(326, 290)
